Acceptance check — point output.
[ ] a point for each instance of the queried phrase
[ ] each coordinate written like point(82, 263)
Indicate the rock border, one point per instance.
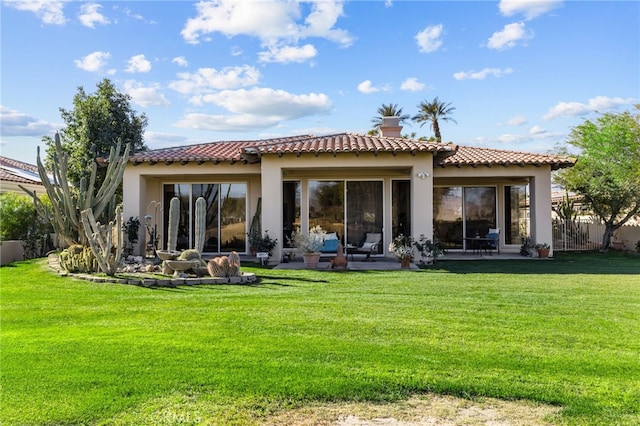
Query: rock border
point(53, 261)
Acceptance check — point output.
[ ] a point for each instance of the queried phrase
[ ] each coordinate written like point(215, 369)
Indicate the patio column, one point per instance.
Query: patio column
point(541, 231)
point(272, 202)
point(133, 202)
point(422, 196)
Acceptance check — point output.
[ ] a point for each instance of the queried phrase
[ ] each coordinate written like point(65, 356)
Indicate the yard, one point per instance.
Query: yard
point(564, 333)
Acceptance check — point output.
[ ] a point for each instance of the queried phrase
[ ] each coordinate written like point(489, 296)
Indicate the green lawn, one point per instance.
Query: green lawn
point(564, 332)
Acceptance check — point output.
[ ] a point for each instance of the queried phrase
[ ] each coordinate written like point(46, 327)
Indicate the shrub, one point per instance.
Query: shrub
point(17, 214)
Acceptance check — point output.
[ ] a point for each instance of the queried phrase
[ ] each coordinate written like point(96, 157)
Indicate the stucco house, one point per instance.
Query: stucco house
point(348, 183)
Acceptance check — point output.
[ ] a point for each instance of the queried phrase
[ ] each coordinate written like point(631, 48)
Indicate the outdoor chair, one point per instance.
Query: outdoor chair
point(493, 240)
point(370, 244)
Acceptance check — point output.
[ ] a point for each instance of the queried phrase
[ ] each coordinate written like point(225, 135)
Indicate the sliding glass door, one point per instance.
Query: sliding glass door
point(226, 217)
point(349, 208)
point(460, 212)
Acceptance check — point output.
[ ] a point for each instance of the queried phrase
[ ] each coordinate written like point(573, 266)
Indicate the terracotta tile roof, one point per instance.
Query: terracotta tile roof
point(348, 142)
point(475, 156)
point(250, 151)
point(16, 171)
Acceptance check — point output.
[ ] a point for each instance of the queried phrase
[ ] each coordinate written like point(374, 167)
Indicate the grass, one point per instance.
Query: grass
point(564, 332)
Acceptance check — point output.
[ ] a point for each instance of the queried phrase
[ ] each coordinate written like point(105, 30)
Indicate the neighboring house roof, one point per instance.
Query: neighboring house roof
point(474, 156)
point(16, 171)
point(251, 151)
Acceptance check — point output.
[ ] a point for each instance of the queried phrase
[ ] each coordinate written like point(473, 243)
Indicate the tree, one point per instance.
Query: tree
point(431, 112)
point(95, 124)
point(390, 110)
point(607, 173)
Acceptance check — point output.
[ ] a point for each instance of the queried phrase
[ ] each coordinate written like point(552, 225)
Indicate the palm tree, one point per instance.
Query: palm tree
point(390, 110)
point(432, 112)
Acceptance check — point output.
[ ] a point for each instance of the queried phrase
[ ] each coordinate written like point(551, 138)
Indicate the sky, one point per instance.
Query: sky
point(520, 74)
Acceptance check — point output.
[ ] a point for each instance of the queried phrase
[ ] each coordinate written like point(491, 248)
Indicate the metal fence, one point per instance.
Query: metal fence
point(577, 235)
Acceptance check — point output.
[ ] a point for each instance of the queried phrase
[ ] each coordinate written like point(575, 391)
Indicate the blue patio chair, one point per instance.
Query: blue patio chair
point(493, 241)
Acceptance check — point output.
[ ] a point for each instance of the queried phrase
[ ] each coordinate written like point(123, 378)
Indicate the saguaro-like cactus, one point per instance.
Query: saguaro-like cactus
point(67, 204)
point(174, 220)
point(201, 223)
point(102, 242)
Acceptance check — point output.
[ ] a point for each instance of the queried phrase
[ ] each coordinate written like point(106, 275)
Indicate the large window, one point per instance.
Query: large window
point(401, 207)
point(349, 208)
point(291, 191)
point(226, 217)
point(463, 212)
point(516, 213)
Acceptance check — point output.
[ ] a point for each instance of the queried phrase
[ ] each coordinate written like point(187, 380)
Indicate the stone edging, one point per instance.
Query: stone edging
point(247, 277)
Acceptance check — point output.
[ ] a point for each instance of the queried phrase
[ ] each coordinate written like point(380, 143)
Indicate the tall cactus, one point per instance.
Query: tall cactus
point(102, 242)
point(174, 220)
point(201, 223)
point(67, 203)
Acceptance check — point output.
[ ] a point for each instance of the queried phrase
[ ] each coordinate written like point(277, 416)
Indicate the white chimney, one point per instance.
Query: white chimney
point(390, 127)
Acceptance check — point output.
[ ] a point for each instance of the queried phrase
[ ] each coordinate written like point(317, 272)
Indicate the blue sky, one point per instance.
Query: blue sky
point(520, 74)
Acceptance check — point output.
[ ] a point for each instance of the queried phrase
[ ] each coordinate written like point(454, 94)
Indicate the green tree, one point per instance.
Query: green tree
point(390, 110)
point(432, 112)
point(95, 124)
point(17, 212)
point(607, 173)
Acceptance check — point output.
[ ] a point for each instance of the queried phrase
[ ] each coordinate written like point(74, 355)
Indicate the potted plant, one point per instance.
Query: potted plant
point(309, 245)
point(543, 249)
point(429, 250)
point(261, 243)
point(402, 248)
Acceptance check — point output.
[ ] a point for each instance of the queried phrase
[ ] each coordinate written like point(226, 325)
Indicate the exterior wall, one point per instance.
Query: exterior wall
point(539, 179)
point(143, 184)
point(10, 251)
point(385, 167)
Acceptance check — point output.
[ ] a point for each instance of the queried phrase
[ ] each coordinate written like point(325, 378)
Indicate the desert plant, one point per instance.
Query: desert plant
point(225, 266)
point(201, 224)
point(262, 243)
point(67, 202)
point(107, 252)
point(78, 258)
point(131, 229)
point(174, 219)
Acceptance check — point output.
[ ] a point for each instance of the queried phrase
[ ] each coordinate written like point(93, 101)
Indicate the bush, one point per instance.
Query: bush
point(20, 221)
point(17, 214)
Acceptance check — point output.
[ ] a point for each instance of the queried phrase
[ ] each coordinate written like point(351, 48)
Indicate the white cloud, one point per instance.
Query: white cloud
point(145, 96)
point(509, 37)
point(288, 54)
point(529, 8)
point(181, 61)
point(156, 140)
point(429, 39)
point(537, 130)
point(206, 80)
point(225, 123)
point(90, 15)
point(236, 50)
point(481, 75)
point(138, 63)
point(270, 102)
point(14, 123)
point(516, 121)
point(48, 11)
point(94, 62)
point(597, 104)
point(412, 84)
point(367, 87)
point(256, 108)
point(274, 23)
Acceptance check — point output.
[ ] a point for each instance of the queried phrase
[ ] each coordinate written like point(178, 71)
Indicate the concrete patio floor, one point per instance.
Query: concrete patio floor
point(390, 263)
